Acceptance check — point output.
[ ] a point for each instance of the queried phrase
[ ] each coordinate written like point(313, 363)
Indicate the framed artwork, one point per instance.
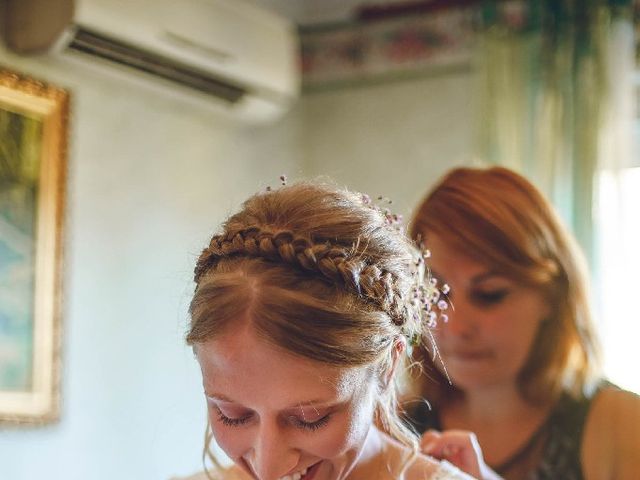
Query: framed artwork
point(33, 148)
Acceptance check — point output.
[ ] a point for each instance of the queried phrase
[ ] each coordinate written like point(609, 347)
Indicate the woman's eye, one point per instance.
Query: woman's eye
point(312, 426)
point(490, 297)
point(231, 422)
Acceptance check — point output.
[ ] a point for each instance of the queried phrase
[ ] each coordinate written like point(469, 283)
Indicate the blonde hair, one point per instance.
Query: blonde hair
point(320, 273)
point(501, 220)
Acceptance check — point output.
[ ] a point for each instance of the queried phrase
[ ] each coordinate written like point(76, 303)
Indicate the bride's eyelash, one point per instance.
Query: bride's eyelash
point(231, 422)
point(312, 426)
point(301, 424)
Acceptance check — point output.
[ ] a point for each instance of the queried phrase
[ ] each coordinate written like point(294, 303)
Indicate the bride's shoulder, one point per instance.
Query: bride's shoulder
point(427, 468)
point(409, 465)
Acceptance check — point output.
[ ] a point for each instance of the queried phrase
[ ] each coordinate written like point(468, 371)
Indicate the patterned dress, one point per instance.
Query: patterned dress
point(552, 452)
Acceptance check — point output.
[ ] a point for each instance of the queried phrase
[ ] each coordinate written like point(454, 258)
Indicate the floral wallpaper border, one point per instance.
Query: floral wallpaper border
point(347, 53)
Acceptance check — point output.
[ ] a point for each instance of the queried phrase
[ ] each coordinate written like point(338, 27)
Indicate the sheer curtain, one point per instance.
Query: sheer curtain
point(617, 221)
point(556, 104)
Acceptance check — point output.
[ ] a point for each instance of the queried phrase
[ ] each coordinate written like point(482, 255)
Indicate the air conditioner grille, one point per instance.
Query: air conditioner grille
point(116, 51)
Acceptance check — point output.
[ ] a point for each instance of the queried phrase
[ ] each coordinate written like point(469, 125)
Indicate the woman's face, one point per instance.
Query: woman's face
point(493, 320)
point(279, 416)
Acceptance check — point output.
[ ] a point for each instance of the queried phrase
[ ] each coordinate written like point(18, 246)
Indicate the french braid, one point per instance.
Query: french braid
point(336, 263)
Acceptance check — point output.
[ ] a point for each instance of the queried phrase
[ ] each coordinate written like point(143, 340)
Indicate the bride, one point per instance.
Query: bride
point(305, 305)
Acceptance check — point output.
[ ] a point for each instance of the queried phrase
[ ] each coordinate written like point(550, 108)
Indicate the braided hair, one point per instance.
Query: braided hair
point(320, 272)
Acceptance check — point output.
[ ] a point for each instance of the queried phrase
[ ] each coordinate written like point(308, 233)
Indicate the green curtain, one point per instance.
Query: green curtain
point(544, 88)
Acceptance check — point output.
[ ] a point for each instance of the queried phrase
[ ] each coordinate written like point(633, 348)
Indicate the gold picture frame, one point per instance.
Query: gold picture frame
point(33, 157)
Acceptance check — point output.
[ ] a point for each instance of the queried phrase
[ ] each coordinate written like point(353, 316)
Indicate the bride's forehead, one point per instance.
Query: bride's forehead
point(269, 361)
point(241, 357)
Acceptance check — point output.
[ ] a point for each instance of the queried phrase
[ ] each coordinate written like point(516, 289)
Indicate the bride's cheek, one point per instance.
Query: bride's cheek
point(232, 442)
point(346, 434)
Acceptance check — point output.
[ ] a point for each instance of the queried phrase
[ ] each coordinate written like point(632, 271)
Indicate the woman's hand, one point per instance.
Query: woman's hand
point(459, 447)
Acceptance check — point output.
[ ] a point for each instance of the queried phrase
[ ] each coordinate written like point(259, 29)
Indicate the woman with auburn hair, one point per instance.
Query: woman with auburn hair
point(518, 356)
point(304, 306)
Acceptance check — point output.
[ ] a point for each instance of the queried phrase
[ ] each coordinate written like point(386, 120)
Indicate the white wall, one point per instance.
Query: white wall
point(393, 139)
point(149, 180)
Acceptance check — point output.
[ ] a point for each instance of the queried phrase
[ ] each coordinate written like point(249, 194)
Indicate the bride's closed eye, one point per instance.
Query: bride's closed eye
point(232, 421)
point(311, 426)
point(295, 421)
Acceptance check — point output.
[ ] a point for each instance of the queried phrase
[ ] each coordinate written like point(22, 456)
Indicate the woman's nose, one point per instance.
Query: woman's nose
point(273, 457)
point(461, 321)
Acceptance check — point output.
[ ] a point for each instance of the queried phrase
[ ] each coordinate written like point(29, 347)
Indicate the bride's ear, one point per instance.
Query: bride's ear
point(397, 351)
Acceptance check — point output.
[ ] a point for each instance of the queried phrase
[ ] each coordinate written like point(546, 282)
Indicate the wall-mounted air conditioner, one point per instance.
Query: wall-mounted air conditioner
point(233, 53)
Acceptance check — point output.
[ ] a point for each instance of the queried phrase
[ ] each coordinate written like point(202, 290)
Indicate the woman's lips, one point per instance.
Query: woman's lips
point(302, 474)
point(309, 475)
point(311, 472)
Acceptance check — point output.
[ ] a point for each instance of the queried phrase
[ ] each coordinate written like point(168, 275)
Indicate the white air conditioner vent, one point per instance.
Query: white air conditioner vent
point(112, 50)
point(240, 55)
